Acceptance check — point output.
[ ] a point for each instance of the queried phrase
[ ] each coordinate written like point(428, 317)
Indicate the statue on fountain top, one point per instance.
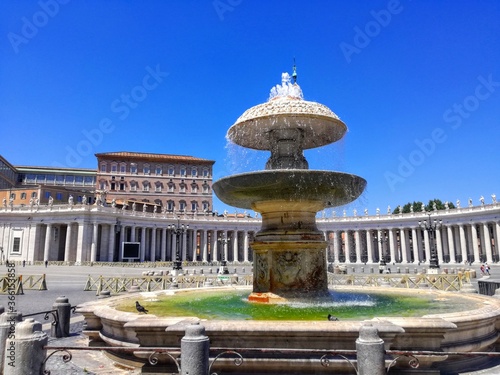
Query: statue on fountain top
point(287, 89)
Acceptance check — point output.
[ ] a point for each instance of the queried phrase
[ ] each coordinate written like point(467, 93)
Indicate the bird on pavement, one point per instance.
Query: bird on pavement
point(140, 308)
point(331, 318)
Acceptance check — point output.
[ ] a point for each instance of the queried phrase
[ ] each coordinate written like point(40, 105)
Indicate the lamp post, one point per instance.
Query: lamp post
point(223, 240)
point(178, 230)
point(431, 226)
point(382, 240)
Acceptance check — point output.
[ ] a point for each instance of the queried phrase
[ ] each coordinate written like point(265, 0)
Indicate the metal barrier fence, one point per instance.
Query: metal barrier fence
point(443, 282)
point(153, 283)
point(16, 285)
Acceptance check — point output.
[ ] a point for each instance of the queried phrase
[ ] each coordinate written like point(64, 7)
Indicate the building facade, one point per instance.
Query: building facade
point(79, 233)
point(156, 182)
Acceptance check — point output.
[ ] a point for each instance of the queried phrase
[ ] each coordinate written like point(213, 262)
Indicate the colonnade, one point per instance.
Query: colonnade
point(96, 233)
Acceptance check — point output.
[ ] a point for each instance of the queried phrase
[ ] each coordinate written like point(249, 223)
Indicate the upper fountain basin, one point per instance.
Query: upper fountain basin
point(319, 124)
point(331, 188)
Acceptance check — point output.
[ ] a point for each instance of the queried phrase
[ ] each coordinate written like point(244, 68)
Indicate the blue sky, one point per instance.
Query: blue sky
point(416, 82)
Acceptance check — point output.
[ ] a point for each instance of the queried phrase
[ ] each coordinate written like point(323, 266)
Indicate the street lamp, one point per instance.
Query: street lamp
point(178, 230)
point(431, 226)
point(223, 240)
point(382, 240)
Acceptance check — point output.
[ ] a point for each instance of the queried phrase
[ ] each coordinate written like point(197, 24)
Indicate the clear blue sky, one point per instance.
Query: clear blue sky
point(416, 82)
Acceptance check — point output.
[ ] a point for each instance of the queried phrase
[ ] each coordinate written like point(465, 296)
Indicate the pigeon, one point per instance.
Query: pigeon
point(331, 318)
point(140, 308)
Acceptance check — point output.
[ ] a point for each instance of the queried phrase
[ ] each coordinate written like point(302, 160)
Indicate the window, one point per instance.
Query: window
point(182, 206)
point(40, 178)
point(114, 168)
point(12, 195)
point(182, 187)
point(16, 245)
point(102, 185)
point(205, 172)
point(59, 196)
point(23, 195)
point(133, 168)
point(183, 171)
point(158, 187)
point(194, 206)
point(59, 180)
point(133, 186)
point(122, 186)
point(51, 178)
point(70, 179)
point(30, 179)
point(89, 180)
point(79, 180)
point(123, 168)
point(158, 170)
point(194, 188)
point(33, 194)
point(47, 194)
point(205, 188)
point(206, 207)
point(194, 172)
point(145, 169)
point(145, 186)
point(103, 168)
point(171, 171)
point(170, 205)
point(171, 187)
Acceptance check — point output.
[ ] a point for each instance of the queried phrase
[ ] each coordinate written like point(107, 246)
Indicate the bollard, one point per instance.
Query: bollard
point(8, 322)
point(195, 351)
point(63, 308)
point(25, 354)
point(407, 269)
point(370, 352)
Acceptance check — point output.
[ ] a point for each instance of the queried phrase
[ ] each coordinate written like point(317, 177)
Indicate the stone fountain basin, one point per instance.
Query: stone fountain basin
point(475, 329)
point(330, 188)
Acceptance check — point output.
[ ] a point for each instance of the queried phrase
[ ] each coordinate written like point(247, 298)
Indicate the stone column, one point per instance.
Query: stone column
point(357, 244)
point(497, 239)
point(111, 243)
point(369, 245)
point(475, 245)
point(336, 247)
point(48, 240)
point(213, 246)
point(427, 246)
point(8, 321)
point(463, 243)
point(451, 244)
point(347, 247)
point(204, 245)
point(143, 243)
point(120, 244)
point(245, 246)
point(487, 243)
point(439, 245)
point(93, 247)
point(153, 244)
point(392, 244)
point(235, 246)
point(67, 245)
point(403, 237)
point(184, 245)
point(164, 244)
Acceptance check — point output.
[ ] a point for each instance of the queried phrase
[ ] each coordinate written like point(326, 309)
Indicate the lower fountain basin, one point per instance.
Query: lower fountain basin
point(329, 188)
point(462, 331)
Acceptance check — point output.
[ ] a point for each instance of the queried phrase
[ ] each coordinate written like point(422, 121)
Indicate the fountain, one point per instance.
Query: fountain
point(289, 250)
point(289, 265)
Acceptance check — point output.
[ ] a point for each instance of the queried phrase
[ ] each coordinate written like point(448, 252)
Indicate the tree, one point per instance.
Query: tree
point(417, 206)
